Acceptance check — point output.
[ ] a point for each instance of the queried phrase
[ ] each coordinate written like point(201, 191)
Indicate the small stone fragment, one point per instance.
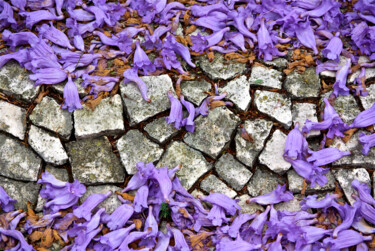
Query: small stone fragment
point(238, 92)
point(369, 72)
point(111, 203)
point(368, 100)
point(263, 181)
point(263, 76)
point(194, 90)
point(160, 131)
point(212, 183)
point(303, 85)
point(295, 183)
point(12, 119)
point(272, 154)
point(106, 119)
point(59, 173)
point(303, 111)
point(292, 205)
point(275, 105)
point(345, 106)
point(279, 63)
point(232, 171)
point(248, 208)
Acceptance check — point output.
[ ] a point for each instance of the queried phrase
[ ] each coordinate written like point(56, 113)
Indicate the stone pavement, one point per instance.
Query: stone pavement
point(100, 148)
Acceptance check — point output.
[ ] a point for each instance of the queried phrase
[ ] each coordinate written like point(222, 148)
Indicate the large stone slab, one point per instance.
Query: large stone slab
point(238, 92)
point(160, 131)
point(111, 203)
point(275, 105)
point(263, 76)
point(47, 114)
point(272, 155)
point(368, 100)
point(134, 147)
point(12, 119)
point(232, 171)
point(106, 119)
point(14, 81)
point(195, 90)
point(194, 165)
point(303, 85)
point(247, 151)
point(263, 181)
point(138, 109)
point(212, 183)
point(47, 146)
point(213, 132)
point(17, 161)
point(220, 68)
point(303, 111)
point(345, 106)
point(295, 183)
point(93, 161)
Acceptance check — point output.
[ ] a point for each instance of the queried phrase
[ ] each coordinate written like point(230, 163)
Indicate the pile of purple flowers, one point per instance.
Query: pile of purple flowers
point(162, 215)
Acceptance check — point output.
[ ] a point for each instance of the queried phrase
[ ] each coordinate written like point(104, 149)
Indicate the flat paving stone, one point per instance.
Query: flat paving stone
point(194, 90)
point(369, 100)
point(247, 151)
point(194, 165)
point(272, 154)
point(220, 68)
point(106, 119)
point(248, 208)
point(356, 159)
point(232, 171)
point(111, 203)
point(345, 178)
point(263, 181)
point(21, 191)
point(47, 146)
point(295, 183)
point(14, 81)
point(134, 147)
point(303, 111)
point(303, 85)
point(138, 109)
point(212, 183)
point(293, 205)
point(12, 119)
point(275, 105)
point(17, 161)
point(59, 88)
point(160, 131)
point(93, 161)
point(238, 91)
point(345, 106)
point(47, 114)
point(263, 76)
point(213, 132)
point(369, 72)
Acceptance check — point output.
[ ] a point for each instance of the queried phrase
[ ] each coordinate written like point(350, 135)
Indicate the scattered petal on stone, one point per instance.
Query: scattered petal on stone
point(295, 183)
point(263, 76)
point(369, 100)
point(263, 181)
point(12, 119)
point(303, 111)
point(248, 208)
point(111, 203)
point(217, 186)
point(238, 92)
point(369, 72)
point(194, 90)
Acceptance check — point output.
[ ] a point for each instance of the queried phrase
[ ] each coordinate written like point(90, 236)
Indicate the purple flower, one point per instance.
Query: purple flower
point(165, 183)
point(140, 199)
point(345, 239)
point(188, 122)
point(6, 15)
point(276, 196)
point(80, 15)
point(326, 66)
point(175, 115)
point(48, 76)
point(23, 245)
point(172, 44)
point(223, 201)
point(54, 35)
point(170, 60)
point(179, 239)
point(133, 236)
point(323, 8)
point(114, 239)
point(217, 216)
point(334, 48)
point(20, 4)
point(314, 234)
point(6, 202)
point(119, 217)
point(201, 43)
point(276, 245)
point(71, 96)
point(238, 222)
point(295, 145)
point(360, 88)
point(141, 61)
point(239, 244)
point(367, 212)
point(367, 141)
point(265, 44)
point(45, 221)
point(312, 202)
point(339, 87)
point(258, 223)
point(131, 75)
point(348, 218)
point(37, 16)
point(305, 35)
point(163, 241)
point(21, 38)
point(209, 22)
point(237, 39)
point(21, 56)
point(364, 192)
point(326, 156)
point(365, 118)
point(84, 210)
point(141, 177)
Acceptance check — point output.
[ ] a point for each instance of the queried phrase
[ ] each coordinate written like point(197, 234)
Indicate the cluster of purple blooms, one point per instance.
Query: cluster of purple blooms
point(216, 218)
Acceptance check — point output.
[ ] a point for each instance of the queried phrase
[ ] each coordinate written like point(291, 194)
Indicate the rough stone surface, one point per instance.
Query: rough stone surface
point(138, 109)
point(14, 81)
point(263, 181)
point(356, 159)
point(134, 147)
point(238, 92)
point(59, 88)
point(369, 72)
point(160, 131)
point(48, 115)
point(59, 173)
point(232, 171)
point(291, 206)
point(275, 105)
point(17, 161)
point(279, 63)
point(93, 162)
point(345, 178)
point(369, 100)
point(263, 76)
point(345, 106)
point(220, 68)
point(303, 85)
point(303, 111)
point(296, 183)
point(272, 155)
point(194, 165)
point(47, 146)
point(194, 90)
point(21, 191)
point(12, 119)
point(212, 183)
point(106, 119)
point(248, 208)
point(247, 151)
point(212, 133)
point(111, 203)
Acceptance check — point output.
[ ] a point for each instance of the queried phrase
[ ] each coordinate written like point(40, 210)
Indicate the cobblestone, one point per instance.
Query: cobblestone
point(13, 120)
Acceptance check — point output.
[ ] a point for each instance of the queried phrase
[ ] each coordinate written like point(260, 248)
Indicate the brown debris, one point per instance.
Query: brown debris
point(190, 29)
point(126, 196)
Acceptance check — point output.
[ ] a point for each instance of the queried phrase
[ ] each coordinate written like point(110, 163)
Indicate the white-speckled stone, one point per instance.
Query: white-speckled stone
point(138, 109)
point(106, 119)
point(279, 63)
point(345, 178)
point(212, 183)
point(272, 155)
point(303, 111)
point(47, 146)
point(263, 76)
point(345, 106)
point(160, 131)
point(369, 100)
point(247, 151)
point(248, 208)
point(194, 165)
point(238, 92)
point(111, 203)
point(275, 105)
point(12, 119)
point(295, 183)
point(303, 85)
point(134, 147)
point(263, 181)
point(369, 72)
point(194, 90)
